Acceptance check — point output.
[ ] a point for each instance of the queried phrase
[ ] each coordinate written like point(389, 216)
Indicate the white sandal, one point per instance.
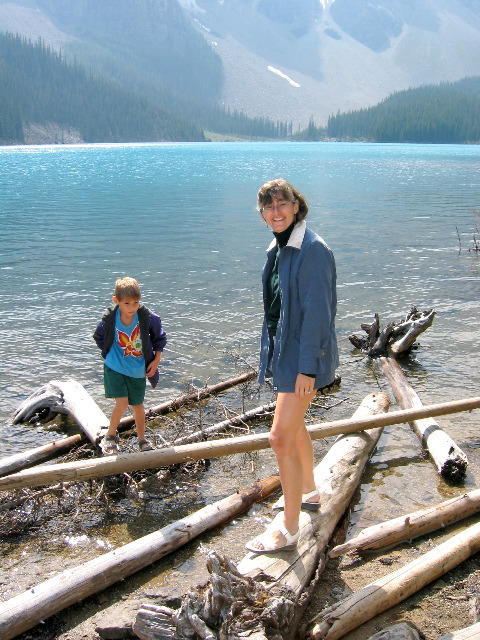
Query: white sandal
point(307, 506)
point(291, 539)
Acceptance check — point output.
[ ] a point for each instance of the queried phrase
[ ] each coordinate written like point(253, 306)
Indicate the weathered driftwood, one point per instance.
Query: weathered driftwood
point(266, 594)
point(155, 622)
point(407, 527)
point(383, 347)
point(227, 424)
point(101, 467)
point(66, 397)
point(60, 397)
point(468, 633)
point(31, 457)
point(31, 607)
point(395, 338)
point(450, 460)
point(344, 616)
point(189, 398)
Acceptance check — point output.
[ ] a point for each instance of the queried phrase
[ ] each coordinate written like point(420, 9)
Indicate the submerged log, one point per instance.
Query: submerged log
point(395, 338)
point(383, 347)
point(400, 631)
point(265, 596)
point(112, 465)
point(68, 587)
point(348, 614)
point(407, 527)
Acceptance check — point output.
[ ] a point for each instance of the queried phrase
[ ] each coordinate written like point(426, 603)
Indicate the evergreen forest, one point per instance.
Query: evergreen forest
point(37, 85)
point(448, 113)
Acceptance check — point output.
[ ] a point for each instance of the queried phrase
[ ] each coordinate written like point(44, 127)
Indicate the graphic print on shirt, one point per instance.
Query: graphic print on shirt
point(131, 345)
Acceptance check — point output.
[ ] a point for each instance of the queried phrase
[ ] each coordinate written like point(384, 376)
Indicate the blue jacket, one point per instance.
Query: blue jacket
point(305, 341)
point(152, 335)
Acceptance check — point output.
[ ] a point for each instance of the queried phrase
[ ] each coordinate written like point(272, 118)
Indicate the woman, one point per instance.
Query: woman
point(298, 349)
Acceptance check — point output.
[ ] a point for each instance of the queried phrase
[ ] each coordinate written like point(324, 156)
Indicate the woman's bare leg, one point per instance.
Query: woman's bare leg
point(305, 451)
point(293, 448)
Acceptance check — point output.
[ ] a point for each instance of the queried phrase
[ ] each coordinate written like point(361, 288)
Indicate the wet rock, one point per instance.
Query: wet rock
point(401, 631)
point(117, 624)
point(163, 597)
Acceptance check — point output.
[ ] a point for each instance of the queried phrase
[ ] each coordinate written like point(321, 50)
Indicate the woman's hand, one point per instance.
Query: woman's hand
point(304, 385)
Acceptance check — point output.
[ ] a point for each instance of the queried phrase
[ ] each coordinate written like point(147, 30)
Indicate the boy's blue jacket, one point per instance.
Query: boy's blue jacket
point(152, 335)
point(305, 340)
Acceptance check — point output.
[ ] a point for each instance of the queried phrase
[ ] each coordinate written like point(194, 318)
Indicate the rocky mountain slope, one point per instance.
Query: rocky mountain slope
point(286, 59)
point(303, 58)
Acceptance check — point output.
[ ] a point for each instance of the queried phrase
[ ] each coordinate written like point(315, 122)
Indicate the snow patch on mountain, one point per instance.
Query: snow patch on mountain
point(283, 75)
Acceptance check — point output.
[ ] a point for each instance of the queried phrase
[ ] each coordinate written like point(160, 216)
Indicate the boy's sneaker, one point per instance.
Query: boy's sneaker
point(110, 445)
point(145, 445)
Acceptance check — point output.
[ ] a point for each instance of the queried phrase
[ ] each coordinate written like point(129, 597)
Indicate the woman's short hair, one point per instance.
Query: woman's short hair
point(280, 188)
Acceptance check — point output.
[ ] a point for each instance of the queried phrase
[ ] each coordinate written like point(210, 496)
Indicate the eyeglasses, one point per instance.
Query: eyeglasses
point(280, 206)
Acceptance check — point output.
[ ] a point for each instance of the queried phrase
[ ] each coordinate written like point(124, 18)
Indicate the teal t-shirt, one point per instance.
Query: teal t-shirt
point(126, 354)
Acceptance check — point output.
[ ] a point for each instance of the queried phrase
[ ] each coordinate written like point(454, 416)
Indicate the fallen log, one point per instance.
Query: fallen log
point(59, 397)
point(407, 527)
point(266, 594)
point(450, 460)
point(468, 633)
point(348, 614)
point(155, 622)
point(226, 424)
point(32, 457)
point(101, 467)
point(68, 587)
point(384, 347)
point(67, 397)
point(189, 398)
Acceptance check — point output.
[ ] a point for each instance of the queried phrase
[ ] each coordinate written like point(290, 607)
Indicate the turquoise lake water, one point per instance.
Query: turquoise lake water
point(181, 219)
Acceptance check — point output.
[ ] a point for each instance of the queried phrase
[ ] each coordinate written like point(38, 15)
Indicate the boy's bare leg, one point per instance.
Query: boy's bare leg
point(139, 415)
point(121, 405)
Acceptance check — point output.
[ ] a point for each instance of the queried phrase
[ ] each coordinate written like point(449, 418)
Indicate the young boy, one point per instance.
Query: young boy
point(131, 340)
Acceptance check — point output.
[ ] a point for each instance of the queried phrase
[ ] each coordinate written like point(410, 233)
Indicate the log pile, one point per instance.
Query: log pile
point(68, 587)
point(348, 614)
point(412, 525)
point(264, 597)
point(126, 463)
point(71, 398)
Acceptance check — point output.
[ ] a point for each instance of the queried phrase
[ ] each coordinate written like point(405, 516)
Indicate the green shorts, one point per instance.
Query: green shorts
point(118, 385)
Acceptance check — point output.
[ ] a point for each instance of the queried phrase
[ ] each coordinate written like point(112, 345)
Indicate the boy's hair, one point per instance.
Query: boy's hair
point(127, 288)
